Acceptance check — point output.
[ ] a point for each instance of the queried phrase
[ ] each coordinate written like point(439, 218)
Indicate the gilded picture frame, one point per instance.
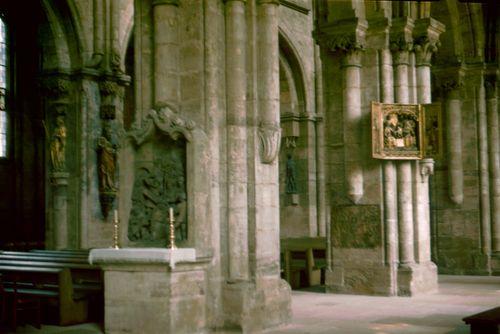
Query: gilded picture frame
point(397, 131)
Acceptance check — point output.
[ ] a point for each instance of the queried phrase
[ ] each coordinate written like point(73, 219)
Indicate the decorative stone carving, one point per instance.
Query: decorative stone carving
point(356, 226)
point(165, 119)
point(399, 42)
point(106, 153)
point(56, 87)
point(344, 42)
point(58, 146)
point(270, 139)
point(108, 87)
point(426, 169)
point(157, 187)
point(424, 48)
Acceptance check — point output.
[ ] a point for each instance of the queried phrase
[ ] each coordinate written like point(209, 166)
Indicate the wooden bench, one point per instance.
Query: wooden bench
point(53, 284)
point(80, 280)
point(303, 255)
point(486, 322)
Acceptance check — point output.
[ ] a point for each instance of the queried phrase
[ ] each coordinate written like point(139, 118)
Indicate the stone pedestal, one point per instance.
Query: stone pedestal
point(417, 278)
point(152, 290)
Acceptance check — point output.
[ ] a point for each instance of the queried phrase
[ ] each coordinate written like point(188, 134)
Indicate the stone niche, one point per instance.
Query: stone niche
point(165, 164)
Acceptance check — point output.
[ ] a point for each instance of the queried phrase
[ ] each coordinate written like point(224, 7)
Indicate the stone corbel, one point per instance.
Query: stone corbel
point(270, 139)
point(165, 119)
point(426, 169)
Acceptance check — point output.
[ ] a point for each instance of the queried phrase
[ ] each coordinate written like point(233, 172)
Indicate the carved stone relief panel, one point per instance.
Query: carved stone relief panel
point(160, 183)
point(356, 226)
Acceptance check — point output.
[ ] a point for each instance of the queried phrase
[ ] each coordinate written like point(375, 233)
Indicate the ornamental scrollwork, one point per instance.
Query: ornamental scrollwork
point(424, 49)
point(270, 139)
point(165, 119)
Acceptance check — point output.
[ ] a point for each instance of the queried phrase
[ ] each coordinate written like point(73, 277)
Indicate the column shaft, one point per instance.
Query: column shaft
point(389, 169)
point(453, 111)
point(483, 170)
point(237, 176)
point(406, 252)
point(352, 120)
point(404, 175)
point(494, 165)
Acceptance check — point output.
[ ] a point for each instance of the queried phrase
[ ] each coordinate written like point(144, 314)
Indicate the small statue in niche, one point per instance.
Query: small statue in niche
point(393, 132)
point(291, 185)
point(58, 145)
point(106, 149)
point(409, 133)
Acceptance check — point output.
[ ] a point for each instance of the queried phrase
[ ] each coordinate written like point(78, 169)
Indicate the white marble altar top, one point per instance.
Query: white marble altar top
point(141, 255)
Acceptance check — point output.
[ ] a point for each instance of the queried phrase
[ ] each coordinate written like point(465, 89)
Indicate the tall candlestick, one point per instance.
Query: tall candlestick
point(115, 234)
point(172, 228)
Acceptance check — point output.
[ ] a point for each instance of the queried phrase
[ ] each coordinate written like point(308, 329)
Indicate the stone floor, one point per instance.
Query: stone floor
point(316, 312)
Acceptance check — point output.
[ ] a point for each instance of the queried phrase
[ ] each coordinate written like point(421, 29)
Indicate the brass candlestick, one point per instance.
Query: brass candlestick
point(172, 228)
point(115, 234)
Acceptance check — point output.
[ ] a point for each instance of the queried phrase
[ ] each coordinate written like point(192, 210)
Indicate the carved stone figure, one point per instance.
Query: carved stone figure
point(291, 185)
point(106, 149)
point(58, 145)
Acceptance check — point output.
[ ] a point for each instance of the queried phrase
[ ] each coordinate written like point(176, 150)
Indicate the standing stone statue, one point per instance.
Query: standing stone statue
point(106, 151)
point(58, 145)
point(291, 185)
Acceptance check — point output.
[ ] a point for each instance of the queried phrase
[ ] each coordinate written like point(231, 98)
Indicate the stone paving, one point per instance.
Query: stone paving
point(317, 312)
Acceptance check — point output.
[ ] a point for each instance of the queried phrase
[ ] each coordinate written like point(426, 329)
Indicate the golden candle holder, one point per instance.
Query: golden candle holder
point(172, 228)
point(115, 232)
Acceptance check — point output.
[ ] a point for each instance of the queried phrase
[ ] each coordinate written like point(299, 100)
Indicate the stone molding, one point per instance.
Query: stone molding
point(165, 119)
point(270, 139)
point(166, 2)
point(268, 2)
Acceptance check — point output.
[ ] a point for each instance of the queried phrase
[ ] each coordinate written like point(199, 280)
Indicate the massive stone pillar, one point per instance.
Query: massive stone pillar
point(262, 300)
point(494, 160)
point(236, 88)
point(166, 52)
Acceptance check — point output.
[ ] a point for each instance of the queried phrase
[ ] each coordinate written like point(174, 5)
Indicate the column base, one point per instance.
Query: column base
point(415, 279)
point(376, 280)
point(251, 307)
point(495, 264)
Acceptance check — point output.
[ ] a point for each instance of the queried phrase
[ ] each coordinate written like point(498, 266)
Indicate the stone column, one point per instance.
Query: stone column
point(389, 169)
point(494, 159)
point(166, 52)
point(400, 50)
point(352, 119)
point(483, 167)
point(237, 192)
point(453, 113)
point(427, 33)
point(59, 182)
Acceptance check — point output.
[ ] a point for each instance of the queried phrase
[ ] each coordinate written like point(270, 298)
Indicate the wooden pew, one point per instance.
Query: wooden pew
point(487, 322)
point(53, 284)
point(86, 279)
point(303, 254)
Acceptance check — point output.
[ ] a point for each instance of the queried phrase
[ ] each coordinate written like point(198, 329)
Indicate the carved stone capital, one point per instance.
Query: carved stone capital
point(452, 87)
point(426, 39)
point(165, 119)
point(426, 168)
point(344, 43)
point(270, 139)
point(346, 38)
point(400, 42)
point(56, 87)
point(109, 87)
point(424, 49)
